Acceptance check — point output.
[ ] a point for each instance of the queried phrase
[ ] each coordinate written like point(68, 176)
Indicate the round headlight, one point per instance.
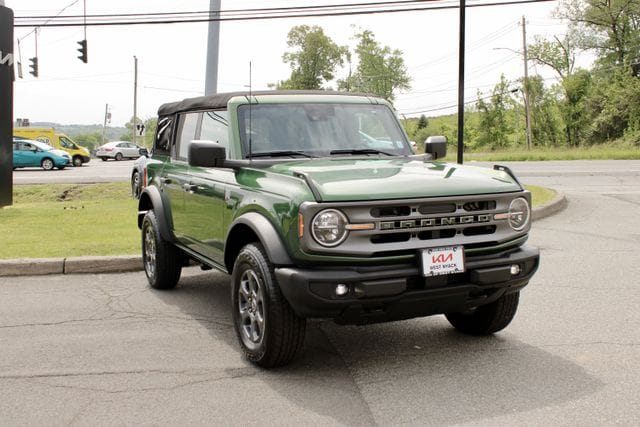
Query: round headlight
point(329, 227)
point(519, 214)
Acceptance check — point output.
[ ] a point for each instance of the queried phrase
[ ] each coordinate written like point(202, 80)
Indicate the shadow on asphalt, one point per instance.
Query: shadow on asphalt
point(415, 371)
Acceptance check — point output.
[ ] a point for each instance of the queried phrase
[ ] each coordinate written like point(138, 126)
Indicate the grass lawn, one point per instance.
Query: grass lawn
point(600, 152)
point(70, 220)
point(540, 195)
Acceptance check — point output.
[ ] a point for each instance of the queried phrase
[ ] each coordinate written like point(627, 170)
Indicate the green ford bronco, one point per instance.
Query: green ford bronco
point(317, 206)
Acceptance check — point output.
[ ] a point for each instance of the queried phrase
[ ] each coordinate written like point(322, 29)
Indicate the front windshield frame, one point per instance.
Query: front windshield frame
point(320, 129)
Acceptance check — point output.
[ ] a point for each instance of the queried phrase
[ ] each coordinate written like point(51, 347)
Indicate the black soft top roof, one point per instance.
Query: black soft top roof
point(220, 100)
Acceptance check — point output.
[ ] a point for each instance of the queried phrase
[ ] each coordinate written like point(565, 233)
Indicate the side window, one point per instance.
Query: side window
point(188, 127)
point(163, 135)
point(66, 143)
point(215, 127)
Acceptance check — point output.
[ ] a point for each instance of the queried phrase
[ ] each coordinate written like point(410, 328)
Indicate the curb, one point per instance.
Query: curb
point(76, 265)
point(556, 205)
point(128, 263)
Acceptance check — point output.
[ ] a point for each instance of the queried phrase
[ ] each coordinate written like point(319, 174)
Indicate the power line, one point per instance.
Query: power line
point(50, 18)
point(295, 12)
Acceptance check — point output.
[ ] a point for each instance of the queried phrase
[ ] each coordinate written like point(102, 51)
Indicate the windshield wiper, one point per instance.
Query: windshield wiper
point(282, 153)
point(360, 151)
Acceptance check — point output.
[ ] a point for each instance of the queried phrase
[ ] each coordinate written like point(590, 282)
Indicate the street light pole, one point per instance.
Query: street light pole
point(213, 41)
point(461, 82)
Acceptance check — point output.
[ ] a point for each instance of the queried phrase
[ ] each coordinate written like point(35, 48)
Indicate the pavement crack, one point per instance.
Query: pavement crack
point(42, 379)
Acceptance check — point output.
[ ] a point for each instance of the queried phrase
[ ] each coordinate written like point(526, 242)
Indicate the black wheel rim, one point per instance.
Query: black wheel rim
point(251, 309)
point(149, 245)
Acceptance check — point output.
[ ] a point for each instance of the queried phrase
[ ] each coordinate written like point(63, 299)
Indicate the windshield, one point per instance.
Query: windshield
point(319, 130)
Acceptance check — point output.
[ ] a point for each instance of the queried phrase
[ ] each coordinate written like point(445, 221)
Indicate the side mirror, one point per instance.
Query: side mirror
point(436, 146)
point(206, 154)
point(143, 152)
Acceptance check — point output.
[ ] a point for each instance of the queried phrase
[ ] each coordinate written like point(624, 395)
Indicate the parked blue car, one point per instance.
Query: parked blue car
point(29, 153)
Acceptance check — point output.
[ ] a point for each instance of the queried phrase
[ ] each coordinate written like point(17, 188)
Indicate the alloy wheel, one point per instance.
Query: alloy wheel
point(251, 308)
point(149, 251)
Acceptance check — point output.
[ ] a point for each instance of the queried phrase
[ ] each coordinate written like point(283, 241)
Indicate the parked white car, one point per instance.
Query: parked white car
point(118, 150)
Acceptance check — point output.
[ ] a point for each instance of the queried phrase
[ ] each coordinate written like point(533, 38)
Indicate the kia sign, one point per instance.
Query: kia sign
point(6, 105)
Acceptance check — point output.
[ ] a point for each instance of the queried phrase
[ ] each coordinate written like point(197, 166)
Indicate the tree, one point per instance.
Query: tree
point(314, 59)
point(494, 128)
point(614, 105)
point(610, 27)
point(89, 140)
point(380, 71)
point(559, 55)
point(543, 103)
point(423, 122)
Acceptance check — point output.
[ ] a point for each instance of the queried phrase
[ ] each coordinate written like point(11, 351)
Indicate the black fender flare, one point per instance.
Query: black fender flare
point(266, 232)
point(152, 199)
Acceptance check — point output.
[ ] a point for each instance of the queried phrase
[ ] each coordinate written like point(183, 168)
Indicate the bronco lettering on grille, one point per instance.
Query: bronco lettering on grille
point(434, 222)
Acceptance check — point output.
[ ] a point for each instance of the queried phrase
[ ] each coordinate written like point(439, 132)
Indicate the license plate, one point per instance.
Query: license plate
point(444, 260)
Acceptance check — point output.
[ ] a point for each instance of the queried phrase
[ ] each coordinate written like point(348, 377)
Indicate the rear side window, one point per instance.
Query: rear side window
point(162, 143)
point(188, 128)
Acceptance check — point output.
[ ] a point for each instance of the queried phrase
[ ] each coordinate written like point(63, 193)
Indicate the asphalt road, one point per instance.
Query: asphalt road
point(94, 171)
point(106, 350)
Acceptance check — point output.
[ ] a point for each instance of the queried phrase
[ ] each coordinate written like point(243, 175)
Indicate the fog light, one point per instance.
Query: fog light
point(515, 269)
point(342, 290)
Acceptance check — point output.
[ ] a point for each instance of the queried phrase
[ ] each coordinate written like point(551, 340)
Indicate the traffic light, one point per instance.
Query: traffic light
point(83, 51)
point(34, 66)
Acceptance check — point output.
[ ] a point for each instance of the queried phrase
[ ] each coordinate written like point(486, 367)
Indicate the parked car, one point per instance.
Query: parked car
point(118, 150)
point(29, 153)
point(317, 207)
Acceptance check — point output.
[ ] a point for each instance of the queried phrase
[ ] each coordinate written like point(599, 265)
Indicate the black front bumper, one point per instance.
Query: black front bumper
point(395, 292)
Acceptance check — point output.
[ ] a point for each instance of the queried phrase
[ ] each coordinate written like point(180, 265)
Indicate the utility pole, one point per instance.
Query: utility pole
point(525, 85)
point(135, 97)
point(211, 76)
point(104, 126)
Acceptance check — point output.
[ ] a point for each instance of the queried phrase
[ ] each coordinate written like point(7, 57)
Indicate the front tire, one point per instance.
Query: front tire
point(47, 164)
point(162, 260)
point(77, 161)
point(486, 319)
point(269, 331)
point(118, 156)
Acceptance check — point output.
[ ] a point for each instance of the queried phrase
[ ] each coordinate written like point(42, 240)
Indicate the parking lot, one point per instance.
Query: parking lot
point(105, 349)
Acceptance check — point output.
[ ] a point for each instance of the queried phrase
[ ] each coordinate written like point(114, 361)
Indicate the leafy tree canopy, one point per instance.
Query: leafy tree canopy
point(313, 60)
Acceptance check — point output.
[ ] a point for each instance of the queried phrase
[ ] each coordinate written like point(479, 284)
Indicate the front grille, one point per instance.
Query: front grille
point(404, 228)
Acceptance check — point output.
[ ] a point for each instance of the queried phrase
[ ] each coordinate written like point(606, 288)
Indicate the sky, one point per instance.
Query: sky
point(172, 57)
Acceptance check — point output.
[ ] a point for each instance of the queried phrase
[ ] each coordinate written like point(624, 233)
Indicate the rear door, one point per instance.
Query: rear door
point(174, 177)
point(18, 155)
